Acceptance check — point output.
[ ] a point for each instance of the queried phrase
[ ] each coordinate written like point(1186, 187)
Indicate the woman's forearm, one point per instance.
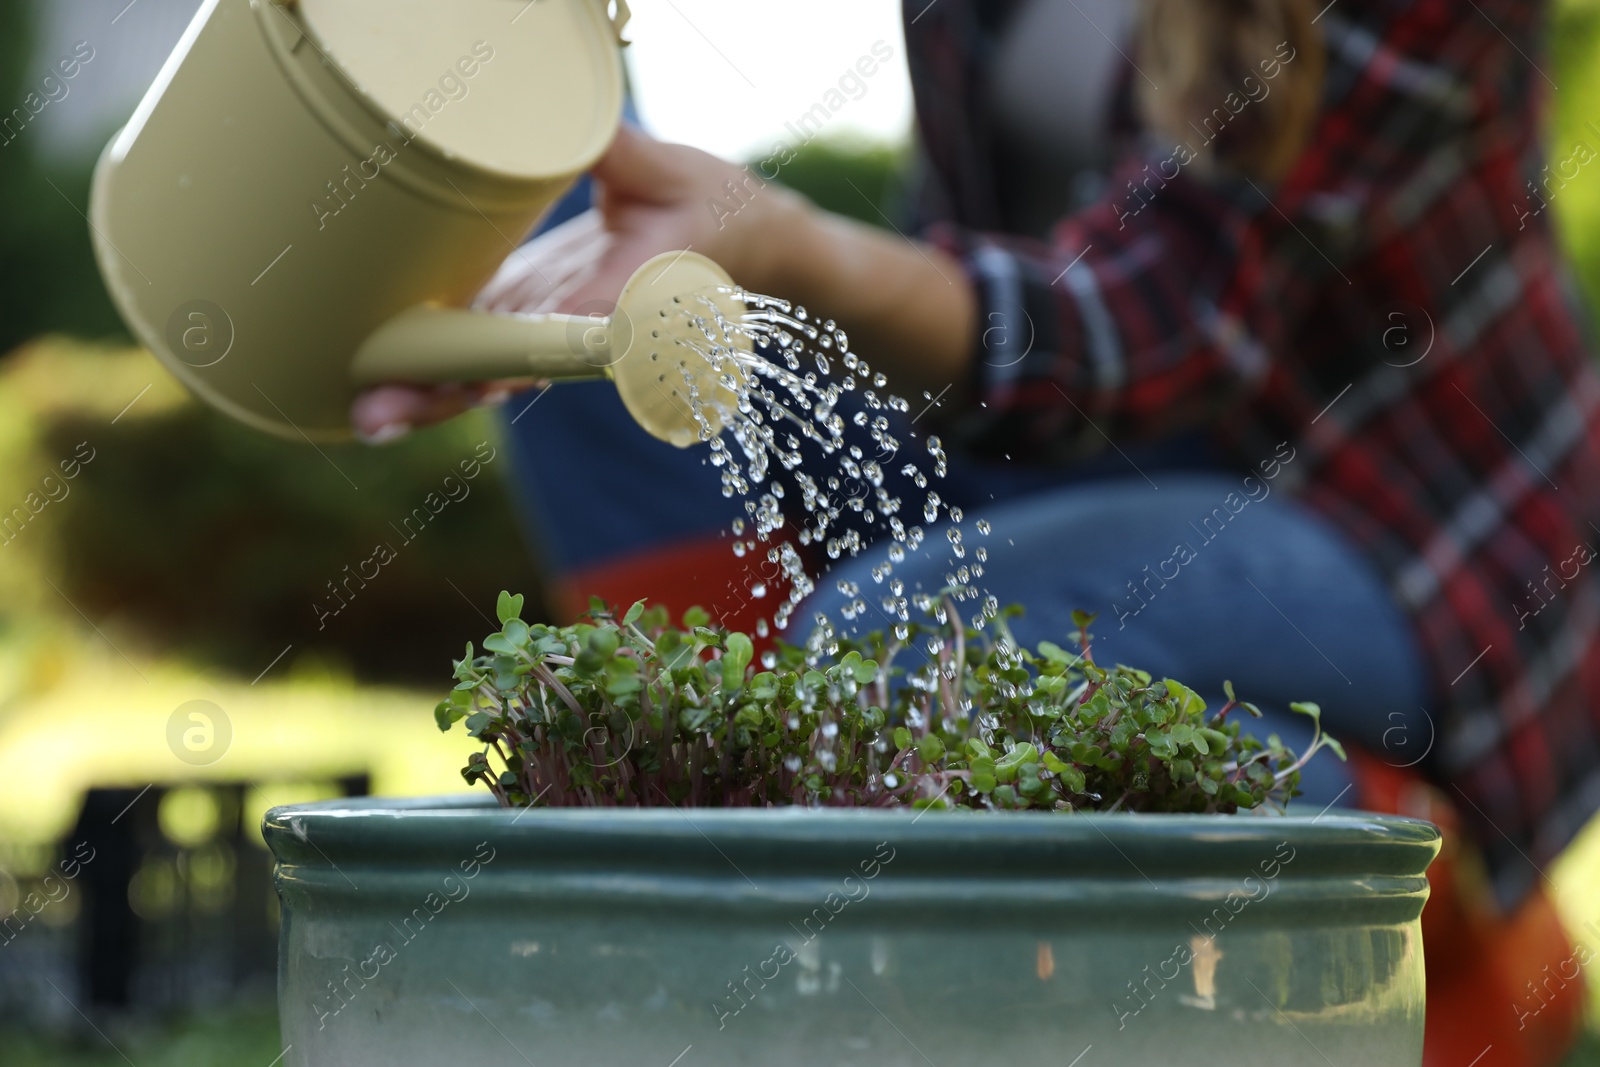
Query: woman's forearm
point(908, 307)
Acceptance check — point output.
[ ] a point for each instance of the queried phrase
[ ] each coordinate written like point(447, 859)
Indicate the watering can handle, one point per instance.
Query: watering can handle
point(482, 346)
point(619, 20)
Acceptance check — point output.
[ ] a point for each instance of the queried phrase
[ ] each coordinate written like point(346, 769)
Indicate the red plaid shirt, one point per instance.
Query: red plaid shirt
point(1466, 463)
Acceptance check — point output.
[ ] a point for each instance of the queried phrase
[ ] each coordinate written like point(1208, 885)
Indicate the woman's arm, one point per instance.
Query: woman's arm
point(908, 307)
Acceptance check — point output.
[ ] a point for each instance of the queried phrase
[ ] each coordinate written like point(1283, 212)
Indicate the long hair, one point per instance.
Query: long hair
point(1240, 81)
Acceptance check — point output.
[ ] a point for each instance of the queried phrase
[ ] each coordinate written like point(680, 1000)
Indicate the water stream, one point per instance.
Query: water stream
point(790, 373)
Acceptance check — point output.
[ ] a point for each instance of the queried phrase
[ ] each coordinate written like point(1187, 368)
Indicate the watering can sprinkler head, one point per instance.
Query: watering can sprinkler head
point(653, 347)
point(658, 343)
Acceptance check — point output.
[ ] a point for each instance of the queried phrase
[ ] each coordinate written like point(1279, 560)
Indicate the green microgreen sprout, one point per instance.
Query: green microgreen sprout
point(628, 710)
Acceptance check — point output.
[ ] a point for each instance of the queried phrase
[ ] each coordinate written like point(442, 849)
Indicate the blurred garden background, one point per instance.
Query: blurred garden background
point(182, 562)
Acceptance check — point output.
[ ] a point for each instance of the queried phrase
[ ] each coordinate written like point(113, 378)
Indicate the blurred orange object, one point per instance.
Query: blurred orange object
point(735, 591)
point(1504, 990)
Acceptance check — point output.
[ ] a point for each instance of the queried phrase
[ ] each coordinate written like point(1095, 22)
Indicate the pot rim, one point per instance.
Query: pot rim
point(405, 832)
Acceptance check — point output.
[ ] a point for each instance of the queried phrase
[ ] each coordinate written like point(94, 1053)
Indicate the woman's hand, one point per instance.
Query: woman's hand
point(652, 198)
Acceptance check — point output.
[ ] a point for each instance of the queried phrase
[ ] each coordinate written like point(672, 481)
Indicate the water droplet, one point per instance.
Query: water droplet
point(790, 373)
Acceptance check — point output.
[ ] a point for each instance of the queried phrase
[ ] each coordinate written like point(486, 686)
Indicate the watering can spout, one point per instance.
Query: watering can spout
point(653, 347)
point(438, 344)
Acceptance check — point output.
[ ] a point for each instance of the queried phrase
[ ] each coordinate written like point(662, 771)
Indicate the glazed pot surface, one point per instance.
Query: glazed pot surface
point(440, 931)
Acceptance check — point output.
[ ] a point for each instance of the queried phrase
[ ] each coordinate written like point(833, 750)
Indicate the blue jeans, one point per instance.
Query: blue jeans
point(1272, 598)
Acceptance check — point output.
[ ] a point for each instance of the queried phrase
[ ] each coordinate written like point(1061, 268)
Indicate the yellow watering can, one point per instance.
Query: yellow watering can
point(311, 193)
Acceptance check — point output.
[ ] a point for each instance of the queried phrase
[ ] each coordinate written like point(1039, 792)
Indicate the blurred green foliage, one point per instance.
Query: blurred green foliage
point(48, 278)
point(190, 534)
point(1573, 66)
point(223, 543)
point(858, 179)
point(246, 1036)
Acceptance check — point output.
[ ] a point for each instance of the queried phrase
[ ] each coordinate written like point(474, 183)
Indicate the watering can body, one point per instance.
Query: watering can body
point(307, 175)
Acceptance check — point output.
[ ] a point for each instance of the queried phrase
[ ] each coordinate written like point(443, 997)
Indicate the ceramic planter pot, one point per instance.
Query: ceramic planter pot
point(449, 931)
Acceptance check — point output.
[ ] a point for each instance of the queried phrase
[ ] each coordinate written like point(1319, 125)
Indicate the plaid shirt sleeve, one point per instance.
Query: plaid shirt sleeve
point(1118, 328)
